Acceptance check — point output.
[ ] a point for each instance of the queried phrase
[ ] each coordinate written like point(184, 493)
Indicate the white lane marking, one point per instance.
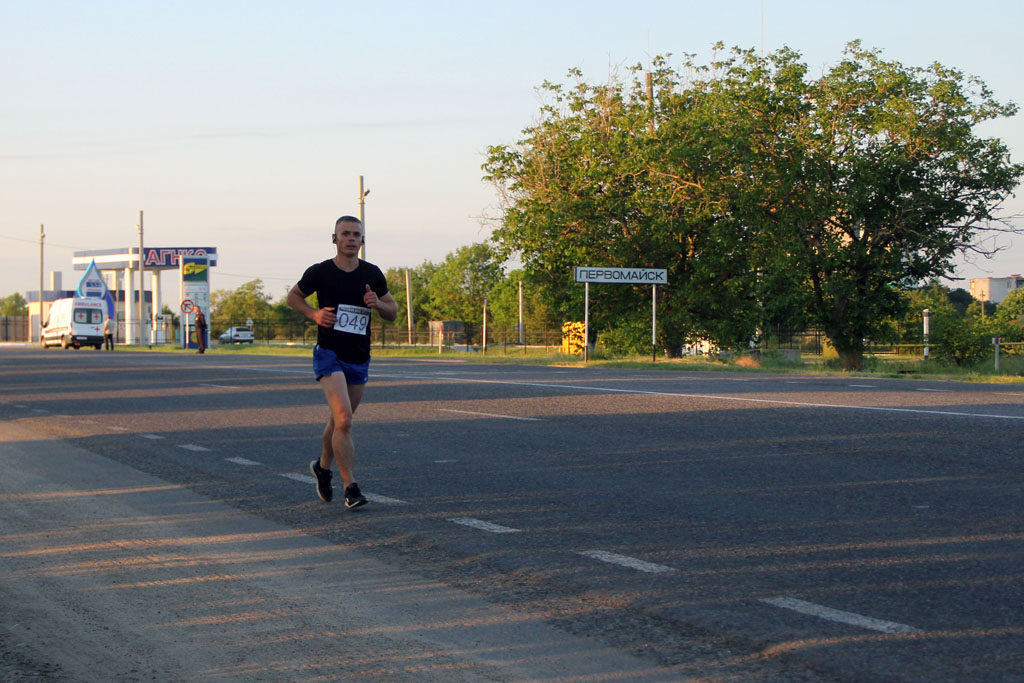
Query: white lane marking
point(377, 498)
point(840, 616)
point(740, 399)
point(243, 461)
point(151, 437)
point(504, 417)
point(19, 405)
point(483, 526)
point(373, 497)
point(626, 561)
point(862, 386)
point(218, 386)
point(445, 462)
point(40, 410)
point(304, 478)
point(193, 447)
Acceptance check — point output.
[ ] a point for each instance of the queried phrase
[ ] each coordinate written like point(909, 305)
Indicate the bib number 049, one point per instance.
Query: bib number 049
point(353, 319)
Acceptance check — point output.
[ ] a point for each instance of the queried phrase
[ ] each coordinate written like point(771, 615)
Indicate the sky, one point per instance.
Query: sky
point(246, 125)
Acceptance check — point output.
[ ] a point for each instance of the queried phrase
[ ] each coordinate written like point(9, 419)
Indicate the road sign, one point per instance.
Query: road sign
point(624, 276)
point(631, 276)
point(187, 306)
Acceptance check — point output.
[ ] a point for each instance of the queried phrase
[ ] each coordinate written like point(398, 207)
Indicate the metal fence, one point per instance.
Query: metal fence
point(504, 337)
point(14, 328)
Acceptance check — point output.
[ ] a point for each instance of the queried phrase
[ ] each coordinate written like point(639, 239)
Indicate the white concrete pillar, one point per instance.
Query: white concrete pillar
point(131, 330)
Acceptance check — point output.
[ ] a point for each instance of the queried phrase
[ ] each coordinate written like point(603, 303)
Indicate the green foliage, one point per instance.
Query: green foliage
point(1009, 317)
point(418, 277)
point(966, 342)
point(13, 305)
point(771, 197)
point(457, 288)
point(229, 308)
point(503, 304)
point(631, 337)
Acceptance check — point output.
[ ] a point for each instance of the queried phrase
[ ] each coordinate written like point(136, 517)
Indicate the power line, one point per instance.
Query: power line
point(36, 241)
point(220, 273)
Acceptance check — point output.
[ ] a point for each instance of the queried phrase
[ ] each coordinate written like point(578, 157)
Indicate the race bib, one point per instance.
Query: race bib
point(353, 319)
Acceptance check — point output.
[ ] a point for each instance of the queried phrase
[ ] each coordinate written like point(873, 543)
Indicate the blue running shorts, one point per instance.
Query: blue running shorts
point(325, 363)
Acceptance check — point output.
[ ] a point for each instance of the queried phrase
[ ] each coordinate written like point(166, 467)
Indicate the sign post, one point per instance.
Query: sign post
point(195, 293)
point(627, 276)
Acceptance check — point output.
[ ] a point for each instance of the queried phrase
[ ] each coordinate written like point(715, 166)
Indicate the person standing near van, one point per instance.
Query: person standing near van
point(348, 290)
point(108, 334)
point(200, 330)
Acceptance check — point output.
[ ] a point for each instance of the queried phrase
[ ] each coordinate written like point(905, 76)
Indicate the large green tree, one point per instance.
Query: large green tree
point(770, 196)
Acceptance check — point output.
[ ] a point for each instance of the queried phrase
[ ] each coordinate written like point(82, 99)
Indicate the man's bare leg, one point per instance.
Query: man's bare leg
point(342, 399)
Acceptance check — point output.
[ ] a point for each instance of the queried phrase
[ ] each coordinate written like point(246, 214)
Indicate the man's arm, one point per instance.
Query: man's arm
point(324, 317)
point(385, 305)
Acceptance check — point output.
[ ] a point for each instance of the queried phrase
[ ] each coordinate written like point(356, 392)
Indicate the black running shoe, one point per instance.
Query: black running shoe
point(323, 481)
point(353, 498)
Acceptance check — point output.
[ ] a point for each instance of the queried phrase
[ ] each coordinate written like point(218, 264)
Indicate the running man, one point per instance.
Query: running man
point(348, 290)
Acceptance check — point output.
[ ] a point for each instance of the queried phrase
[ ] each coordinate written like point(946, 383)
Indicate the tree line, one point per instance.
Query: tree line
point(772, 197)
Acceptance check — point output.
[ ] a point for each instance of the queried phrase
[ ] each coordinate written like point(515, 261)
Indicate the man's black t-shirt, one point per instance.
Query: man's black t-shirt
point(350, 337)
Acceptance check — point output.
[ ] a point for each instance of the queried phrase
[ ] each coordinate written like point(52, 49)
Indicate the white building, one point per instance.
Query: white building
point(995, 289)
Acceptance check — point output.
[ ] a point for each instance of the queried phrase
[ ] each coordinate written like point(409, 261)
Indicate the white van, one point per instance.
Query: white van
point(75, 322)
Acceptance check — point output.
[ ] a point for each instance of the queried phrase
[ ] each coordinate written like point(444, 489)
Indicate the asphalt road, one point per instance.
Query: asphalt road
point(741, 526)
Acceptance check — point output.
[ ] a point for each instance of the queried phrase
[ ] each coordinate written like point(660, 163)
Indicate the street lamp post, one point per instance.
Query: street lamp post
point(41, 238)
point(362, 216)
point(142, 286)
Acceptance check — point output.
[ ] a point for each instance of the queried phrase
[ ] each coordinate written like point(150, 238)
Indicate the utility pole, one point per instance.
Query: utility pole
point(362, 216)
point(41, 238)
point(650, 102)
point(142, 285)
point(522, 330)
point(408, 303)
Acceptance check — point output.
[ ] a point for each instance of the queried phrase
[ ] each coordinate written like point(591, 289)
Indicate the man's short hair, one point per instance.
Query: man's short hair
point(348, 219)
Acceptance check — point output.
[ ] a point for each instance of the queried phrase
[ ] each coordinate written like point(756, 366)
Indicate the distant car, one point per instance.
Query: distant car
point(237, 335)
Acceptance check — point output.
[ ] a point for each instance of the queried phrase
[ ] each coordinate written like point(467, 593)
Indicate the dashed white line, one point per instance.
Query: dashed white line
point(862, 386)
point(483, 526)
point(243, 461)
point(384, 500)
point(629, 562)
point(373, 497)
point(217, 386)
point(151, 437)
point(193, 447)
point(304, 478)
point(505, 417)
point(840, 616)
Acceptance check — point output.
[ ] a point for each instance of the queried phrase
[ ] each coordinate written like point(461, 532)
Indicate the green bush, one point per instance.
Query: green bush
point(965, 343)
